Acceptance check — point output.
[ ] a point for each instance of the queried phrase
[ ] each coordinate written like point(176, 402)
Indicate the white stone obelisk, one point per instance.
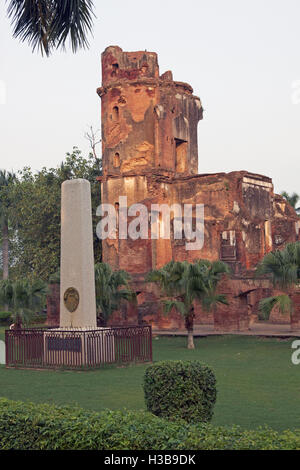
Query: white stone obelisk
point(77, 278)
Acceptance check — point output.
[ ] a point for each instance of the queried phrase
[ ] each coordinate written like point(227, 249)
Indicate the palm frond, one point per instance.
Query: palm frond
point(212, 300)
point(168, 305)
point(23, 297)
point(266, 306)
point(291, 199)
point(73, 19)
point(47, 24)
point(189, 282)
point(283, 266)
point(111, 288)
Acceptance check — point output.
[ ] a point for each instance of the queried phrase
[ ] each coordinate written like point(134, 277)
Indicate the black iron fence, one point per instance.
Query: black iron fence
point(77, 348)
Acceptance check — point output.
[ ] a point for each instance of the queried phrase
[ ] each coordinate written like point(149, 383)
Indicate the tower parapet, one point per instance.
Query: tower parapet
point(118, 65)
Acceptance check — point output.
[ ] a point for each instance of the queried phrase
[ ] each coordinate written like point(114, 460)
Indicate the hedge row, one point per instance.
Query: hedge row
point(27, 426)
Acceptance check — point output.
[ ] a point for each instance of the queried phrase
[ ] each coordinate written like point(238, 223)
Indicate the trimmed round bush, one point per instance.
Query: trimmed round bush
point(180, 390)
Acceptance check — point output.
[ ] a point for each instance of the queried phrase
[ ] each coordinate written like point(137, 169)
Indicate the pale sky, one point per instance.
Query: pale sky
point(242, 57)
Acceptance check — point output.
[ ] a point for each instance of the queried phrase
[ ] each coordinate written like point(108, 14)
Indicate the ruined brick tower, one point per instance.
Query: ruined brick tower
point(149, 121)
point(149, 135)
point(150, 155)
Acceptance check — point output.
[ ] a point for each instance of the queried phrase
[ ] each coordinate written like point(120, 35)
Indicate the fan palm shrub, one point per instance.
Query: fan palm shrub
point(182, 283)
point(23, 298)
point(111, 288)
point(283, 268)
point(292, 199)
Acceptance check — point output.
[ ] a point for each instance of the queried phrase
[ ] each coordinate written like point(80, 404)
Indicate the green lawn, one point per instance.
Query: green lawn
point(256, 381)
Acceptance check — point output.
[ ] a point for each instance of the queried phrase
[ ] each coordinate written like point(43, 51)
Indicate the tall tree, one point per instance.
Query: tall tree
point(48, 24)
point(183, 283)
point(283, 268)
point(111, 288)
point(35, 214)
point(292, 200)
point(7, 178)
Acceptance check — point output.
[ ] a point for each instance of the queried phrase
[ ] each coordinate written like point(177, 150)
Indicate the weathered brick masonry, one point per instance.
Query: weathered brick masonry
point(150, 155)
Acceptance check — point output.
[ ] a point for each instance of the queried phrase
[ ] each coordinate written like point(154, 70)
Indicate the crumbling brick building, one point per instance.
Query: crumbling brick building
point(150, 155)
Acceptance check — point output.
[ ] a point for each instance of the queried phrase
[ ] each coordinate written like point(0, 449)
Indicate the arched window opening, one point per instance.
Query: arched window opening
point(181, 155)
point(116, 160)
point(115, 68)
point(115, 113)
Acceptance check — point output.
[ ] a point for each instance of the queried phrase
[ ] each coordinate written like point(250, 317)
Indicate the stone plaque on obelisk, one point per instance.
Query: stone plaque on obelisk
point(77, 278)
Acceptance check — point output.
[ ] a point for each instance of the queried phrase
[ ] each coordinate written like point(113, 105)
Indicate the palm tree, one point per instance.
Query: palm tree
point(6, 178)
point(111, 288)
point(292, 200)
point(182, 283)
point(283, 267)
point(47, 25)
point(23, 298)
